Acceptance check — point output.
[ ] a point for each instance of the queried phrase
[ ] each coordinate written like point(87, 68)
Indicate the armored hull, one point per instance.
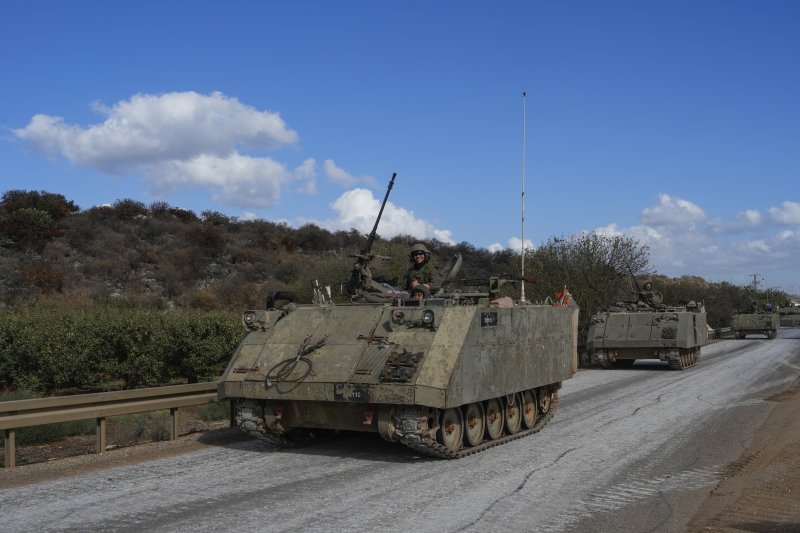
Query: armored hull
point(620, 335)
point(761, 323)
point(445, 376)
point(789, 316)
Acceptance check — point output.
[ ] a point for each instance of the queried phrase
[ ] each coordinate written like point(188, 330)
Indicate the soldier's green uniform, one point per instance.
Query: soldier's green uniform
point(422, 272)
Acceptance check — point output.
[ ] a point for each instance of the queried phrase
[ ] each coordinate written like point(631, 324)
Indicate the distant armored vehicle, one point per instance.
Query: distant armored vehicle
point(648, 329)
point(756, 320)
point(789, 316)
point(448, 375)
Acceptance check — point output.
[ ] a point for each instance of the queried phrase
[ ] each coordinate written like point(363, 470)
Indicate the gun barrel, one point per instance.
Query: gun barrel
point(374, 232)
point(363, 259)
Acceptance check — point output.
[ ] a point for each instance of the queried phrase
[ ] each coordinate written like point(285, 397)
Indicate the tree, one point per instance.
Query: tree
point(28, 227)
point(56, 205)
point(128, 209)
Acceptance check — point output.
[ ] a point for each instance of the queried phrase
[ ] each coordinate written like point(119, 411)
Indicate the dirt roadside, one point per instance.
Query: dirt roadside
point(759, 492)
point(75, 455)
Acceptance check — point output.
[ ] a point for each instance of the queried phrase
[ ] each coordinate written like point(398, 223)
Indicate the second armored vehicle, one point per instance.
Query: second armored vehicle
point(789, 315)
point(648, 329)
point(756, 320)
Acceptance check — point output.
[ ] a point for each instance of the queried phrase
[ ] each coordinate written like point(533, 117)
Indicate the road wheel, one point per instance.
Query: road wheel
point(474, 424)
point(513, 413)
point(545, 399)
point(451, 429)
point(494, 418)
point(529, 409)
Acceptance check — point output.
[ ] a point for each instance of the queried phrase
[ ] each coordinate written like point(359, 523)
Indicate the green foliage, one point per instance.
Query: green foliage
point(128, 209)
point(129, 429)
point(28, 227)
point(46, 348)
point(52, 432)
point(215, 218)
point(55, 205)
point(214, 411)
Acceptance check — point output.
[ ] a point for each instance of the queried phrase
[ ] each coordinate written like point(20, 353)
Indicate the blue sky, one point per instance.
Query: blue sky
point(677, 123)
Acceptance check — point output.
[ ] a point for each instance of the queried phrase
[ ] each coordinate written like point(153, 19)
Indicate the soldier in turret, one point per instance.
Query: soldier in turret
point(419, 276)
point(646, 294)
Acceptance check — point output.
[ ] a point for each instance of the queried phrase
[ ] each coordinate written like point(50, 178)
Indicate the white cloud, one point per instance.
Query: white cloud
point(239, 180)
point(672, 211)
point(343, 178)
point(307, 172)
point(788, 213)
point(514, 244)
point(178, 140)
point(750, 217)
point(682, 240)
point(358, 208)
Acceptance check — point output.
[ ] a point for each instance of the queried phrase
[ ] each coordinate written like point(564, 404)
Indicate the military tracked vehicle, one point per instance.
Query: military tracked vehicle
point(449, 375)
point(789, 316)
point(648, 329)
point(756, 320)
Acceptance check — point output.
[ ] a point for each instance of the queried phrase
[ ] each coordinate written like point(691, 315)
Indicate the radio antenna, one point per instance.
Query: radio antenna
point(522, 290)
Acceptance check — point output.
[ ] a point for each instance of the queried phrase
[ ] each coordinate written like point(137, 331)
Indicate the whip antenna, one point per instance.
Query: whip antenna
point(522, 290)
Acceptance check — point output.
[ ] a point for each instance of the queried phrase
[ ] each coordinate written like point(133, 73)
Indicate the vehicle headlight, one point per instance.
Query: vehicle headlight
point(249, 319)
point(427, 317)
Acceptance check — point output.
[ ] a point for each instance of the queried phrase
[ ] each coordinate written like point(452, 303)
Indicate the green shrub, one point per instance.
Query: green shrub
point(158, 426)
point(128, 429)
point(214, 411)
point(53, 432)
point(45, 348)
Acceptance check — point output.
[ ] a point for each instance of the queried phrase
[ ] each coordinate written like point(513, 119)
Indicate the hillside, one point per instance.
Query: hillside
point(167, 257)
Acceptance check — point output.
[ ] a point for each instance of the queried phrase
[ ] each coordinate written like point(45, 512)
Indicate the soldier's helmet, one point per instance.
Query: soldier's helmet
point(419, 247)
point(648, 285)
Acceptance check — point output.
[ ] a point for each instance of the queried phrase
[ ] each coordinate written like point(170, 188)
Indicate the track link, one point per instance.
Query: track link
point(685, 358)
point(250, 419)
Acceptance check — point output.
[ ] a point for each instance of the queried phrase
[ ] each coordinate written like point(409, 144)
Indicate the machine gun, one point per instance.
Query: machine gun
point(361, 277)
point(650, 298)
point(635, 281)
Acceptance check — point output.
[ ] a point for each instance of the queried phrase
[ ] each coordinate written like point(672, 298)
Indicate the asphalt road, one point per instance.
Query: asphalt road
point(629, 450)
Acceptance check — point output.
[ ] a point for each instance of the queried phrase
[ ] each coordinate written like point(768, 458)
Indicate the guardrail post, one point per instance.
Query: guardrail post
point(101, 434)
point(10, 441)
point(173, 431)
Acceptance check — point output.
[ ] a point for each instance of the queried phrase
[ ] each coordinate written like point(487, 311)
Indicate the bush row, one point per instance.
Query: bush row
point(46, 348)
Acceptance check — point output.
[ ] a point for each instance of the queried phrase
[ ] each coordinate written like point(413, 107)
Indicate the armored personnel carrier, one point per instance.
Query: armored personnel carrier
point(789, 316)
point(648, 329)
point(448, 375)
point(756, 320)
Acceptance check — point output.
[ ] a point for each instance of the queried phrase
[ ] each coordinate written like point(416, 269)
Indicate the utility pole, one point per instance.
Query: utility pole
point(755, 280)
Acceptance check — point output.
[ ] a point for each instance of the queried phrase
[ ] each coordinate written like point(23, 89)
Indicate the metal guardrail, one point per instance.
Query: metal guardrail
point(25, 413)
